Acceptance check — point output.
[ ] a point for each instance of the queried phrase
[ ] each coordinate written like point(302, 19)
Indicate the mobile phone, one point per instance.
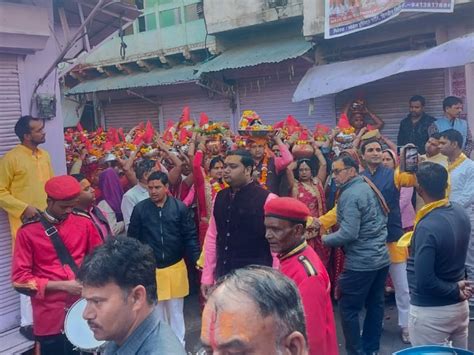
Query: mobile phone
point(411, 159)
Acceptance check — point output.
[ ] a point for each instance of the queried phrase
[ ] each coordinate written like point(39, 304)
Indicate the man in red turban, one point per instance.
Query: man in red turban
point(48, 251)
point(285, 220)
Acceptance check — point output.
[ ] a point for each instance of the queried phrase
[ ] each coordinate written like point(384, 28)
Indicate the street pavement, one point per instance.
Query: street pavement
point(390, 341)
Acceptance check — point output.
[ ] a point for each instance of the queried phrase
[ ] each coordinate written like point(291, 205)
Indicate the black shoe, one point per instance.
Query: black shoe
point(27, 332)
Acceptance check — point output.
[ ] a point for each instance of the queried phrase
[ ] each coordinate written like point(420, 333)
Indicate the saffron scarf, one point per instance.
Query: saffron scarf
point(405, 240)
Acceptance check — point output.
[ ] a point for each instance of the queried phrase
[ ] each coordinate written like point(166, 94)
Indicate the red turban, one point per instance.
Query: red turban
point(62, 188)
point(287, 208)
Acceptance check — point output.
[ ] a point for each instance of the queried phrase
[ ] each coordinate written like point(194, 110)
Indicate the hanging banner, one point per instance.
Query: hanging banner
point(343, 17)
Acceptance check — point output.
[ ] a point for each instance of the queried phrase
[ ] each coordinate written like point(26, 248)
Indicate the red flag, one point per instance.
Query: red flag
point(183, 136)
point(204, 119)
point(343, 122)
point(279, 125)
point(121, 134)
point(141, 126)
point(108, 146)
point(99, 131)
point(149, 132)
point(292, 122)
point(138, 139)
point(79, 127)
point(168, 135)
point(186, 115)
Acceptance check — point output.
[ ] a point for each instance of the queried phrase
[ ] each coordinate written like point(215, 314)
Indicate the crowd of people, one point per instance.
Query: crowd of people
point(272, 226)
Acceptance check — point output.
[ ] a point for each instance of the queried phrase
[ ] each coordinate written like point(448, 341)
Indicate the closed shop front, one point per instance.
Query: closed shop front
point(10, 111)
point(270, 95)
point(199, 99)
point(128, 112)
point(388, 97)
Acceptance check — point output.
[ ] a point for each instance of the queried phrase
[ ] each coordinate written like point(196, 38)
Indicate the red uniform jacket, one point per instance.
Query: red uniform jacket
point(306, 269)
point(35, 262)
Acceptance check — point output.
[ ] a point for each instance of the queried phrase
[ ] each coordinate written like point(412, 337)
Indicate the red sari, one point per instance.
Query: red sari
point(312, 195)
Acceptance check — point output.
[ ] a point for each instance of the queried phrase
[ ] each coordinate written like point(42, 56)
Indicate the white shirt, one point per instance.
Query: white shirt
point(136, 194)
point(462, 185)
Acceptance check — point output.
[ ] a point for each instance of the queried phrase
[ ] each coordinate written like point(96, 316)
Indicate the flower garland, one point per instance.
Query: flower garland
point(264, 172)
point(217, 186)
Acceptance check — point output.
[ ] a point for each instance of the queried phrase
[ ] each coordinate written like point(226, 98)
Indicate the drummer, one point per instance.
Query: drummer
point(41, 272)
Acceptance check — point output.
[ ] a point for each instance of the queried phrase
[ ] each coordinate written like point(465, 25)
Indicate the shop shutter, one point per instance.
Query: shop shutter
point(217, 107)
point(10, 111)
point(127, 113)
point(388, 98)
point(270, 96)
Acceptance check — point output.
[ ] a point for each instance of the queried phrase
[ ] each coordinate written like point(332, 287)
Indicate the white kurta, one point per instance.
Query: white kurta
point(462, 192)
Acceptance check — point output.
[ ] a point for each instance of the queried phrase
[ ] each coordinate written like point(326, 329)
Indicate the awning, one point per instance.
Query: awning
point(333, 78)
point(157, 77)
point(110, 17)
point(271, 51)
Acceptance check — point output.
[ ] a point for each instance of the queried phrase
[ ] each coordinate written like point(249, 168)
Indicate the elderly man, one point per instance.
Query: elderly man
point(236, 234)
point(362, 217)
point(48, 252)
point(119, 286)
point(254, 310)
point(285, 221)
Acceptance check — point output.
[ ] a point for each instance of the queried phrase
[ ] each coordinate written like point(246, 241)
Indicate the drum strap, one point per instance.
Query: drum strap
point(63, 254)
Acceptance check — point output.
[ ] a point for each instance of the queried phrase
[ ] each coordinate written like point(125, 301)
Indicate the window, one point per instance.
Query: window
point(193, 12)
point(147, 22)
point(170, 17)
point(150, 22)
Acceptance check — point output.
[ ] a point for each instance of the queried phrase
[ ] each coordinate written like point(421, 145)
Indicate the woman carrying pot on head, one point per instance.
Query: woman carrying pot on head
point(306, 178)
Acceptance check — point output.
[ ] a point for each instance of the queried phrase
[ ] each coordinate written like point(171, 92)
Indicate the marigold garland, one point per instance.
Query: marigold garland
point(264, 172)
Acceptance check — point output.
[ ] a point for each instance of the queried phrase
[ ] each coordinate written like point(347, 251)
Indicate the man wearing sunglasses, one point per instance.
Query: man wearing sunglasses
point(362, 217)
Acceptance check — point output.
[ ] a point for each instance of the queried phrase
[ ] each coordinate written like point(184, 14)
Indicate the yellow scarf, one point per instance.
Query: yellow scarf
point(457, 162)
point(405, 240)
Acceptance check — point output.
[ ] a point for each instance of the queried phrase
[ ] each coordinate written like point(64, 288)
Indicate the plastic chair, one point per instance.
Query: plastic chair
point(433, 350)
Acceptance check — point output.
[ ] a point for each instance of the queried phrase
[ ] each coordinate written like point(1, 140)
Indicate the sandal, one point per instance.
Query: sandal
point(405, 336)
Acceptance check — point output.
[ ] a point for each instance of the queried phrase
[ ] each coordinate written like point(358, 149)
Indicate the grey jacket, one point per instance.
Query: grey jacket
point(362, 228)
point(152, 337)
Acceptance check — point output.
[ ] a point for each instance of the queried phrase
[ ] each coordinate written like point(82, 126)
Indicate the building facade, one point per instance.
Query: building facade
point(28, 51)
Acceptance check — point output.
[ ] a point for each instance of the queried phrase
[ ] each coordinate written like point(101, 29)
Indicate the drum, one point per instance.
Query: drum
point(77, 330)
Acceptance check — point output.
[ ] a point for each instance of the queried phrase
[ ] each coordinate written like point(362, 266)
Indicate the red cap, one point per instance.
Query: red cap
point(62, 188)
point(287, 208)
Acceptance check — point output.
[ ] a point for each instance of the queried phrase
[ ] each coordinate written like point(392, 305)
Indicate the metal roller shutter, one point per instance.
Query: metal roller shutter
point(198, 100)
point(270, 97)
point(10, 111)
point(127, 113)
point(388, 98)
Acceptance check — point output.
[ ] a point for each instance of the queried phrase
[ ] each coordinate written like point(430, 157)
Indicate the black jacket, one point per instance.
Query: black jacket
point(170, 231)
point(416, 134)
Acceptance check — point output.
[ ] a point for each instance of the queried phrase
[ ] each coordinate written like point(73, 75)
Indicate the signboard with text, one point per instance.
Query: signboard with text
point(348, 16)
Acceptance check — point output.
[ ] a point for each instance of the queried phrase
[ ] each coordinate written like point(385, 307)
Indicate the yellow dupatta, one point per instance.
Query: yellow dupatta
point(457, 162)
point(405, 240)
